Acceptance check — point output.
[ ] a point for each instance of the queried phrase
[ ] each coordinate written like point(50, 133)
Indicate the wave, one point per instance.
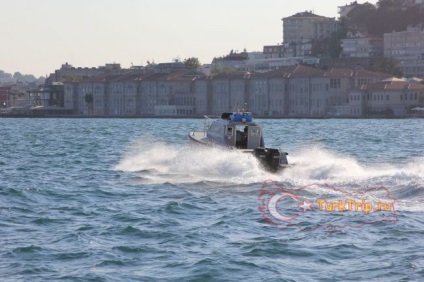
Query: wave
point(190, 163)
point(159, 162)
point(317, 164)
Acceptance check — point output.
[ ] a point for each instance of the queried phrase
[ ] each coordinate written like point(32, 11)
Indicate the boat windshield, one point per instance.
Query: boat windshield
point(208, 122)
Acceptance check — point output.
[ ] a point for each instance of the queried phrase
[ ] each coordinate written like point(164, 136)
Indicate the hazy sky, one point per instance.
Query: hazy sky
point(38, 36)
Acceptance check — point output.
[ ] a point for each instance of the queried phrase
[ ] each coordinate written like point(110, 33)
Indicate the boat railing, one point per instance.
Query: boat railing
point(212, 117)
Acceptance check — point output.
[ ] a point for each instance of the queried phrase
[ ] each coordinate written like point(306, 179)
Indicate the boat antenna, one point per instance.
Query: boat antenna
point(245, 107)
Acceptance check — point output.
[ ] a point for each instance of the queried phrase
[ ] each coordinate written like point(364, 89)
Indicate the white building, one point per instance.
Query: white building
point(345, 10)
point(408, 47)
point(362, 47)
point(302, 29)
point(389, 97)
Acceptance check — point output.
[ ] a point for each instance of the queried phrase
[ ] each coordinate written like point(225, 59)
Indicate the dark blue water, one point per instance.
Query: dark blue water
point(119, 200)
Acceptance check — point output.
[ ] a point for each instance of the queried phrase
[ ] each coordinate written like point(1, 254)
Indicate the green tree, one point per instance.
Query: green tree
point(388, 65)
point(216, 71)
point(192, 63)
point(360, 18)
point(331, 47)
point(5, 74)
point(88, 98)
point(385, 17)
point(89, 101)
point(390, 4)
point(17, 75)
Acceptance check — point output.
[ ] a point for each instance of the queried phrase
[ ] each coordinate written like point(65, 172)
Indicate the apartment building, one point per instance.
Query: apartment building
point(408, 47)
point(346, 9)
point(362, 47)
point(303, 28)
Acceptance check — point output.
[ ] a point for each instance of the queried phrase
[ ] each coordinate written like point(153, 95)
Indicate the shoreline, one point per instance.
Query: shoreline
point(188, 117)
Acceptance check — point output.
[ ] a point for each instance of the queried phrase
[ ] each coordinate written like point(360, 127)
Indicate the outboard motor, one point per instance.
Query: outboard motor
point(269, 158)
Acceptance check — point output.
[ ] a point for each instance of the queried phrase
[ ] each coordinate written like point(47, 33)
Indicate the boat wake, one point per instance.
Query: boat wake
point(159, 162)
point(191, 163)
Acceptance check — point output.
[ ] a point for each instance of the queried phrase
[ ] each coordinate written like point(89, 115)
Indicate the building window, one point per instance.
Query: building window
point(335, 83)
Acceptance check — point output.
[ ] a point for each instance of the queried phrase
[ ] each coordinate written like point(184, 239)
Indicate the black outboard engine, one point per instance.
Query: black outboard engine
point(270, 158)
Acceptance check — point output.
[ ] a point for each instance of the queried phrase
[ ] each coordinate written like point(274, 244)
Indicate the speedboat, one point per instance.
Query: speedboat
point(238, 131)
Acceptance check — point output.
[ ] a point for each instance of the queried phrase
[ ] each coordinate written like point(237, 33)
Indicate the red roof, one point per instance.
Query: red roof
point(392, 86)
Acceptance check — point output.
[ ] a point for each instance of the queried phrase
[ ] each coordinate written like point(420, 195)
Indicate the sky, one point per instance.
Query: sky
point(38, 36)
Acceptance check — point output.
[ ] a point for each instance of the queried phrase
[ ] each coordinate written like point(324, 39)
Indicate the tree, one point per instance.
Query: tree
point(216, 71)
point(388, 65)
point(390, 4)
point(360, 19)
point(17, 75)
point(331, 47)
point(5, 74)
point(385, 17)
point(89, 101)
point(88, 98)
point(192, 63)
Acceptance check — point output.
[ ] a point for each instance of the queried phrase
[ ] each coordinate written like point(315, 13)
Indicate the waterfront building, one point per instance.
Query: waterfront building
point(277, 88)
point(147, 91)
point(290, 91)
point(121, 95)
point(258, 98)
point(392, 97)
point(12, 98)
point(220, 94)
point(132, 94)
point(202, 91)
point(48, 95)
point(175, 94)
point(69, 73)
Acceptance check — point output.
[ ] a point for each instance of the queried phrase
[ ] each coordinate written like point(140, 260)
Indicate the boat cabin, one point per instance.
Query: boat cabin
point(236, 130)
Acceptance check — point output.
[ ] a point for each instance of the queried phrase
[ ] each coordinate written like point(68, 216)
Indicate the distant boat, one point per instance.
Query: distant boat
point(238, 131)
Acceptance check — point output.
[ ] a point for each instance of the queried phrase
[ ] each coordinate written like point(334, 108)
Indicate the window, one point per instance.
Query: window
point(335, 83)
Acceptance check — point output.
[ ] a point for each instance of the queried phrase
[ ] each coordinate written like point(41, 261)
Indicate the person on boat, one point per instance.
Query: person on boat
point(244, 138)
